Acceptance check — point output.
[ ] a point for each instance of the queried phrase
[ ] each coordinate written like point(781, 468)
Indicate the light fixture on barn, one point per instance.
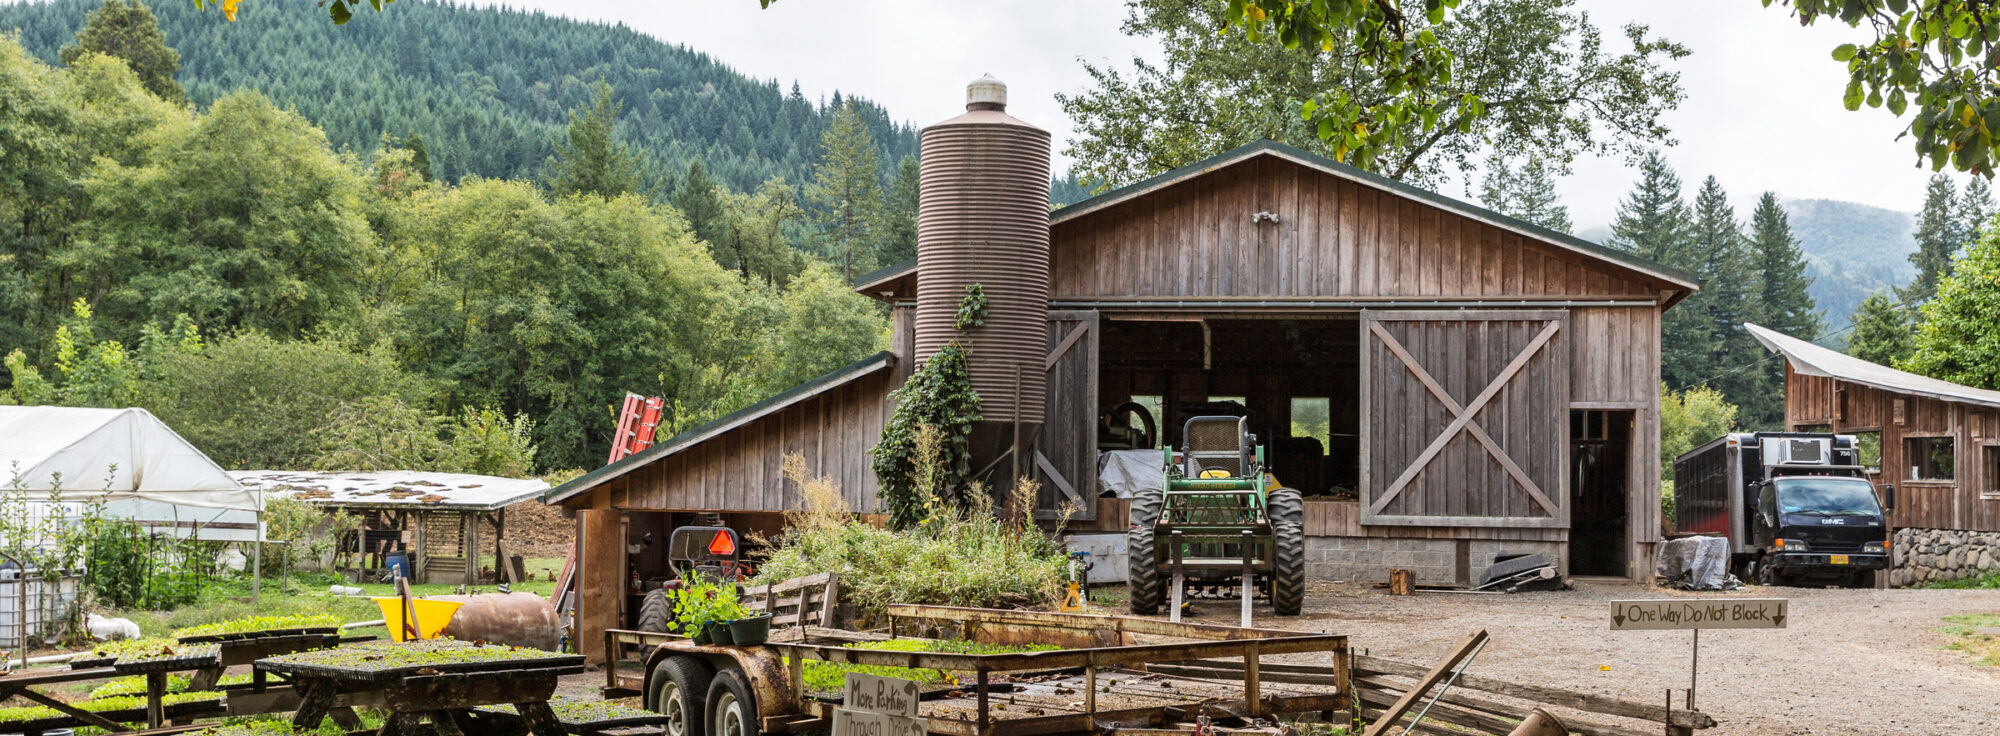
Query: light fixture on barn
point(1264, 216)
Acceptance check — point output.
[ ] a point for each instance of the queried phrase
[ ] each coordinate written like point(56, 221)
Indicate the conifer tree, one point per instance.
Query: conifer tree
point(1939, 234)
point(845, 188)
point(700, 201)
point(1881, 331)
point(127, 30)
point(1535, 198)
point(1783, 303)
point(1653, 223)
point(1975, 209)
point(1727, 299)
point(897, 232)
point(1653, 220)
point(420, 157)
point(592, 161)
point(1494, 191)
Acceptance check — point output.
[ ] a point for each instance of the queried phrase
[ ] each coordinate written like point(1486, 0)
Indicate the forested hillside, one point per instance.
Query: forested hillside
point(487, 89)
point(1852, 250)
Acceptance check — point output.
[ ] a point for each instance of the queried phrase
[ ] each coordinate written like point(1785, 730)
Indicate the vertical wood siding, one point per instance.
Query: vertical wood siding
point(739, 470)
point(1850, 407)
point(1333, 238)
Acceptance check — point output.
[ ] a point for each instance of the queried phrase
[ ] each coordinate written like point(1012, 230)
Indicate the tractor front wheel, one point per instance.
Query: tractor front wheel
point(1143, 581)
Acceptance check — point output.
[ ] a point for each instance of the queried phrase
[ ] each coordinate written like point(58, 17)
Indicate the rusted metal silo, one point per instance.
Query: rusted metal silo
point(983, 217)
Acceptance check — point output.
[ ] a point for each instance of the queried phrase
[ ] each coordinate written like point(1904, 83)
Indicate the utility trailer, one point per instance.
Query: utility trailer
point(1099, 682)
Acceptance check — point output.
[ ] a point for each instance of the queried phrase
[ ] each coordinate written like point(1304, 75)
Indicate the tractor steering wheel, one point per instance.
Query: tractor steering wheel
point(1121, 416)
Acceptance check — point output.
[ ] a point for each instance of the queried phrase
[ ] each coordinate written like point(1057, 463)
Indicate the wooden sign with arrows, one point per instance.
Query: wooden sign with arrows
point(1699, 613)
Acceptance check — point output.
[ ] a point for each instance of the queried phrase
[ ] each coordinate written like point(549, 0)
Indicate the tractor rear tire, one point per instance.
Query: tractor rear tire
point(1143, 581)
point(1288, 571)
point(656, 613)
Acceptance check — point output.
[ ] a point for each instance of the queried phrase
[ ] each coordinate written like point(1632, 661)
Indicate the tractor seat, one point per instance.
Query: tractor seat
point(1218, 443)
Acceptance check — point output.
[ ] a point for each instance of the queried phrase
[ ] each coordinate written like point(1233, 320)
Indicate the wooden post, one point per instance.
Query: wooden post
point(980, 689)
point(599, 566)
point(1402, 582)
point(1090, 688)
point(470, 548)
point(156, 692)
point(1253, 697)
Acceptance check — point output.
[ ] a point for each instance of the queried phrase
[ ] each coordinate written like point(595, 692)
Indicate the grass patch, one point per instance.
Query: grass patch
point(1987, 582)
point(963, 557)
point(305, 595)
point(831, 677)
point(1965, 637)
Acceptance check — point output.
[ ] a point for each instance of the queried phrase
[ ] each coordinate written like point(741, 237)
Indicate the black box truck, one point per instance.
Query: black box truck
point(1797, 508)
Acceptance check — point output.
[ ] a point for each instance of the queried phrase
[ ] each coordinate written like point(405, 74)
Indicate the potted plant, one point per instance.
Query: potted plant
point(704, 610)
point(750, 631)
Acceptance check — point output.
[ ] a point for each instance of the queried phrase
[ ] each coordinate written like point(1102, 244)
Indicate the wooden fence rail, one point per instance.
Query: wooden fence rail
point(1474, 704)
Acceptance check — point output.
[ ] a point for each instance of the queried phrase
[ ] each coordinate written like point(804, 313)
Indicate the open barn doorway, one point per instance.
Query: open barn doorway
point(1295, 377)
point(1599, 456)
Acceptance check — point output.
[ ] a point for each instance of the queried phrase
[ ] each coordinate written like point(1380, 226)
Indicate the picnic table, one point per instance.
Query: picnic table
point(441, 681)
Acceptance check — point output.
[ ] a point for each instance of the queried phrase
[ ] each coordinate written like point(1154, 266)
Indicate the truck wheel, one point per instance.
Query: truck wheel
point(656, 613)
point(679, 692)
point(1143, 581)
point(732, 710)
point(1288, 569)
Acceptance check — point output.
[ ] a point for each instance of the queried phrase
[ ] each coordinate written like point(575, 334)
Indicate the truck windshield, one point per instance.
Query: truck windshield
point(1827, 497)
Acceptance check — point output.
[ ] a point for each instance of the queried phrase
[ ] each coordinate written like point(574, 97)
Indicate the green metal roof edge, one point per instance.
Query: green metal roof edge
point(591, 479)
point(884, 273)
point(1233, 155)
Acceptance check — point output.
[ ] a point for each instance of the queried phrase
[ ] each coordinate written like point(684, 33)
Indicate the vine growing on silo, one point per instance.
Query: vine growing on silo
point(938, 395)
point(971, 309)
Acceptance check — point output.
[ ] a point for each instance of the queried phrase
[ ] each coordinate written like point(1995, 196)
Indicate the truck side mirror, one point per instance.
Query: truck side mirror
point(1889, 496)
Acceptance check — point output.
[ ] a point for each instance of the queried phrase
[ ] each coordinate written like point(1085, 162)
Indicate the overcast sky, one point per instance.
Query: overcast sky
point(1762, 110)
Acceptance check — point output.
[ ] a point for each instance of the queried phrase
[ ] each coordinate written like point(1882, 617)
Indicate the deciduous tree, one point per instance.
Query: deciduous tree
point(1959, 338)
point(1525, 76)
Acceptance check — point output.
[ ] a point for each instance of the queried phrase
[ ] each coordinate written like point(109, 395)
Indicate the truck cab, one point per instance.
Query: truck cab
point(1817, 527)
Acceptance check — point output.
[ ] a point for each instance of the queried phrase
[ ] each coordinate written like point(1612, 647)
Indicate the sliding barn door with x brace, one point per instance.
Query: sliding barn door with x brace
point(1465, 418)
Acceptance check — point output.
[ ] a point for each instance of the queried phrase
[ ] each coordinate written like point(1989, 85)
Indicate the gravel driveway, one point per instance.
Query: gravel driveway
point(1850, 661)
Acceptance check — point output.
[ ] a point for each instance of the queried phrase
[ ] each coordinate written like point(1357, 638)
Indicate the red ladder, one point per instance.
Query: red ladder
point(637, 421)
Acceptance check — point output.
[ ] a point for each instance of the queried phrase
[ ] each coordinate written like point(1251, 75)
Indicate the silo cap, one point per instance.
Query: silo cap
point(986, 93)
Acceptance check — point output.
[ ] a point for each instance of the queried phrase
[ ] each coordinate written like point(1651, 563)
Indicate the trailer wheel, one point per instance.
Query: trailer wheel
point(732, 709)
point(1288, 569)
point(1143, 581)
point(679, 692)
point(656, 613)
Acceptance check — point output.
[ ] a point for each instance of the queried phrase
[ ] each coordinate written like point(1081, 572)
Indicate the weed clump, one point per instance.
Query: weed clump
point(966, 556)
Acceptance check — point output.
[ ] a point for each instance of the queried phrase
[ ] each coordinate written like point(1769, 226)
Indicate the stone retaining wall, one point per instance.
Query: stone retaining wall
point(1925, 555)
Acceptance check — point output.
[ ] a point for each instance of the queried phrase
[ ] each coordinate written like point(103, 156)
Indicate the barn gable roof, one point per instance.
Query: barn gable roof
point(866, 366)
point(899, 280)
point(1687, 282)
point(1813, 360)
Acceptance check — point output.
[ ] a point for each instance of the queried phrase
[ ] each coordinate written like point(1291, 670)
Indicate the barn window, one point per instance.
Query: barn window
point(1313, 417)
point(1869, 446)
point(1930, 458)
point(1989, 480)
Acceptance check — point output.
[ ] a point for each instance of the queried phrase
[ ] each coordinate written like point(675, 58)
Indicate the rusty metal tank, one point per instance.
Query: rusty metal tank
point(983, 217)
point(516, 619)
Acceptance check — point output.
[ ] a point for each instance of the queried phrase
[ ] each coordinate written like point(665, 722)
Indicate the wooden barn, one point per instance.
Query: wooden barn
point(1442, 382)
point(1935, 442)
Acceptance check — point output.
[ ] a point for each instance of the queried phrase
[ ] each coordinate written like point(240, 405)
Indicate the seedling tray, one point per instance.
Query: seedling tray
point(589, 715)
point(188, 657)
point(377, 662)
point(190, 710)
point(273, 633)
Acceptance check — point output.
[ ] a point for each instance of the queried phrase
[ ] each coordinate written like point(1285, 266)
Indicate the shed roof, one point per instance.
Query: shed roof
point(1813, 360)
point(394, 488)
point(866, 366)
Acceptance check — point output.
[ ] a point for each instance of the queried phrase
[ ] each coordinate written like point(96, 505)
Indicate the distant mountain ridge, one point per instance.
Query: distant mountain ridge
point(488, 89)
point(1852, 250)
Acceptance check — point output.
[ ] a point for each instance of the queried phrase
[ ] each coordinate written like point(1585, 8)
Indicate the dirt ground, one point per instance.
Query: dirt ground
point(1849, 662)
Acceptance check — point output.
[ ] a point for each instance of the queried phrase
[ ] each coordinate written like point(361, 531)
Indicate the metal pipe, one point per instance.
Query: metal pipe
point(1447, 686)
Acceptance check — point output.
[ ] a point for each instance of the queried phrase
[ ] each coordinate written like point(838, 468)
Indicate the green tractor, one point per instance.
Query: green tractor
point(1216, 520)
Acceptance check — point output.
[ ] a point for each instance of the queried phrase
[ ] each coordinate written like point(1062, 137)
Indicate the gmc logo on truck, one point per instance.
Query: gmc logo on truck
point(1833, 520)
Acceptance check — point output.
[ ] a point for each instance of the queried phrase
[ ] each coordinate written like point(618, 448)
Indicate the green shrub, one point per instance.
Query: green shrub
point(963, 558)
